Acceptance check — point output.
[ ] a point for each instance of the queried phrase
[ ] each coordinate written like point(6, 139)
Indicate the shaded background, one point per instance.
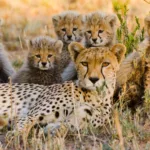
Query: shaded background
point(24, 19)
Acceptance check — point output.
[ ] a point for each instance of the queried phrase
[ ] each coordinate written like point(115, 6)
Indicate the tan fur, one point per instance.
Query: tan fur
point(129, 68)
point(90, 63)
point(101, 27)
point(41, 66)
point(99, 30)
point(2, 123)
point(134, 71)
point(88, 101)
point(147, 24)
point(67, 24)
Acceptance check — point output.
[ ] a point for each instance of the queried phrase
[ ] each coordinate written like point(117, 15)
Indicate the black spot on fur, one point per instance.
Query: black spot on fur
point(41, 118)
point(88, 111)
point(57, 114)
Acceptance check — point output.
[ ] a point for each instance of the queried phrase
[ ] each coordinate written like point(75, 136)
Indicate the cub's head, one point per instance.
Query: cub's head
point(147, 24)
point(44, 52)
point(100, 29)
point(68, 26)
point(97, 65)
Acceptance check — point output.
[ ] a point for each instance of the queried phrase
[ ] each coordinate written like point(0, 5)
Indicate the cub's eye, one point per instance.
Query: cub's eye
point(84, 64)
point(38, 56)
point(101, 31)
point(89, 32)
point(63, 29)
point(74, 29)
point(49, 56)
point(105, 64)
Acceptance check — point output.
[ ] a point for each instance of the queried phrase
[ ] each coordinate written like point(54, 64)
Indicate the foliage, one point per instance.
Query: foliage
point(129, 38)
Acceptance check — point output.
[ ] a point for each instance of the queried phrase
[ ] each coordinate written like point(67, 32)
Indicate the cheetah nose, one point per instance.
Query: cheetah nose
point(94, 40)
point(44, 64)
point(69, 37)
point(93, 79)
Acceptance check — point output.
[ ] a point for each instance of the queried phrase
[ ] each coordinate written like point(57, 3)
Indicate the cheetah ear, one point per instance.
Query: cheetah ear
point(59, 46)
point(112, 19)
point(55, 20)
point(75, 48)
point(119, 50)
point(147, 24)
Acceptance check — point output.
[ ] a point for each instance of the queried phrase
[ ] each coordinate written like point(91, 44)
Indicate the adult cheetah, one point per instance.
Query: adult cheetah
point(89, 100)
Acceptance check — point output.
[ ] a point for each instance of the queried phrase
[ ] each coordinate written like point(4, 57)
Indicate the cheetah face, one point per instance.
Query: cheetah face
point(96, 66)
point(99, 29)
point(68, 26)
point(44, 53)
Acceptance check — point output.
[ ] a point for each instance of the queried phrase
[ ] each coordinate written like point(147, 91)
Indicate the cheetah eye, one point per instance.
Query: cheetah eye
point(100, 31)
point(89, 32)
point(38, 56)
point(105, 64)
point(74, 29)
point(63, 29)
point(84, 64)
point(50, 55)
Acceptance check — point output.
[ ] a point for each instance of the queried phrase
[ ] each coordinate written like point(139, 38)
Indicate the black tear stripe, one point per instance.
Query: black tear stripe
point(88, 111)
point(74, 34)
point(104, 77)
point(99, 36)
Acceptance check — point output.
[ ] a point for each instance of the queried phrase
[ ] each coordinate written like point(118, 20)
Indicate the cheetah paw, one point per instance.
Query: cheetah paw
point(56, 129)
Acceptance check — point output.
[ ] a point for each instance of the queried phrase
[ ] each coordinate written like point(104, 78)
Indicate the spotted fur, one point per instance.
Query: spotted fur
point(41, 66)
point(88, 101)
point(68, 27)
point(99, 30)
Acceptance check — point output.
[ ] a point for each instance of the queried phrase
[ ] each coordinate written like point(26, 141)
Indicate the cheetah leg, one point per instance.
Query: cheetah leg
point(100, 117)
point(80, 117)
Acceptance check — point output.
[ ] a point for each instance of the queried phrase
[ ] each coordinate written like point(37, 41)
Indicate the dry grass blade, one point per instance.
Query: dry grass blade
point(119, 129)
point(147, 1)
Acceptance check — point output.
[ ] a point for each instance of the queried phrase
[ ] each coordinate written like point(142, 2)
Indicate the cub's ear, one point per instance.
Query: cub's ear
point(119, 50)
point(75, 48)
point(147, 24)
point(58, 46)
point(55, 20)
point(112, 19)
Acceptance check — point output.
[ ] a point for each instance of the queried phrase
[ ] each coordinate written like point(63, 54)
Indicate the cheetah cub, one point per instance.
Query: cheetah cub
point(68, 27)
point(88, 101)
point(41, 66)
point(99, 30)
